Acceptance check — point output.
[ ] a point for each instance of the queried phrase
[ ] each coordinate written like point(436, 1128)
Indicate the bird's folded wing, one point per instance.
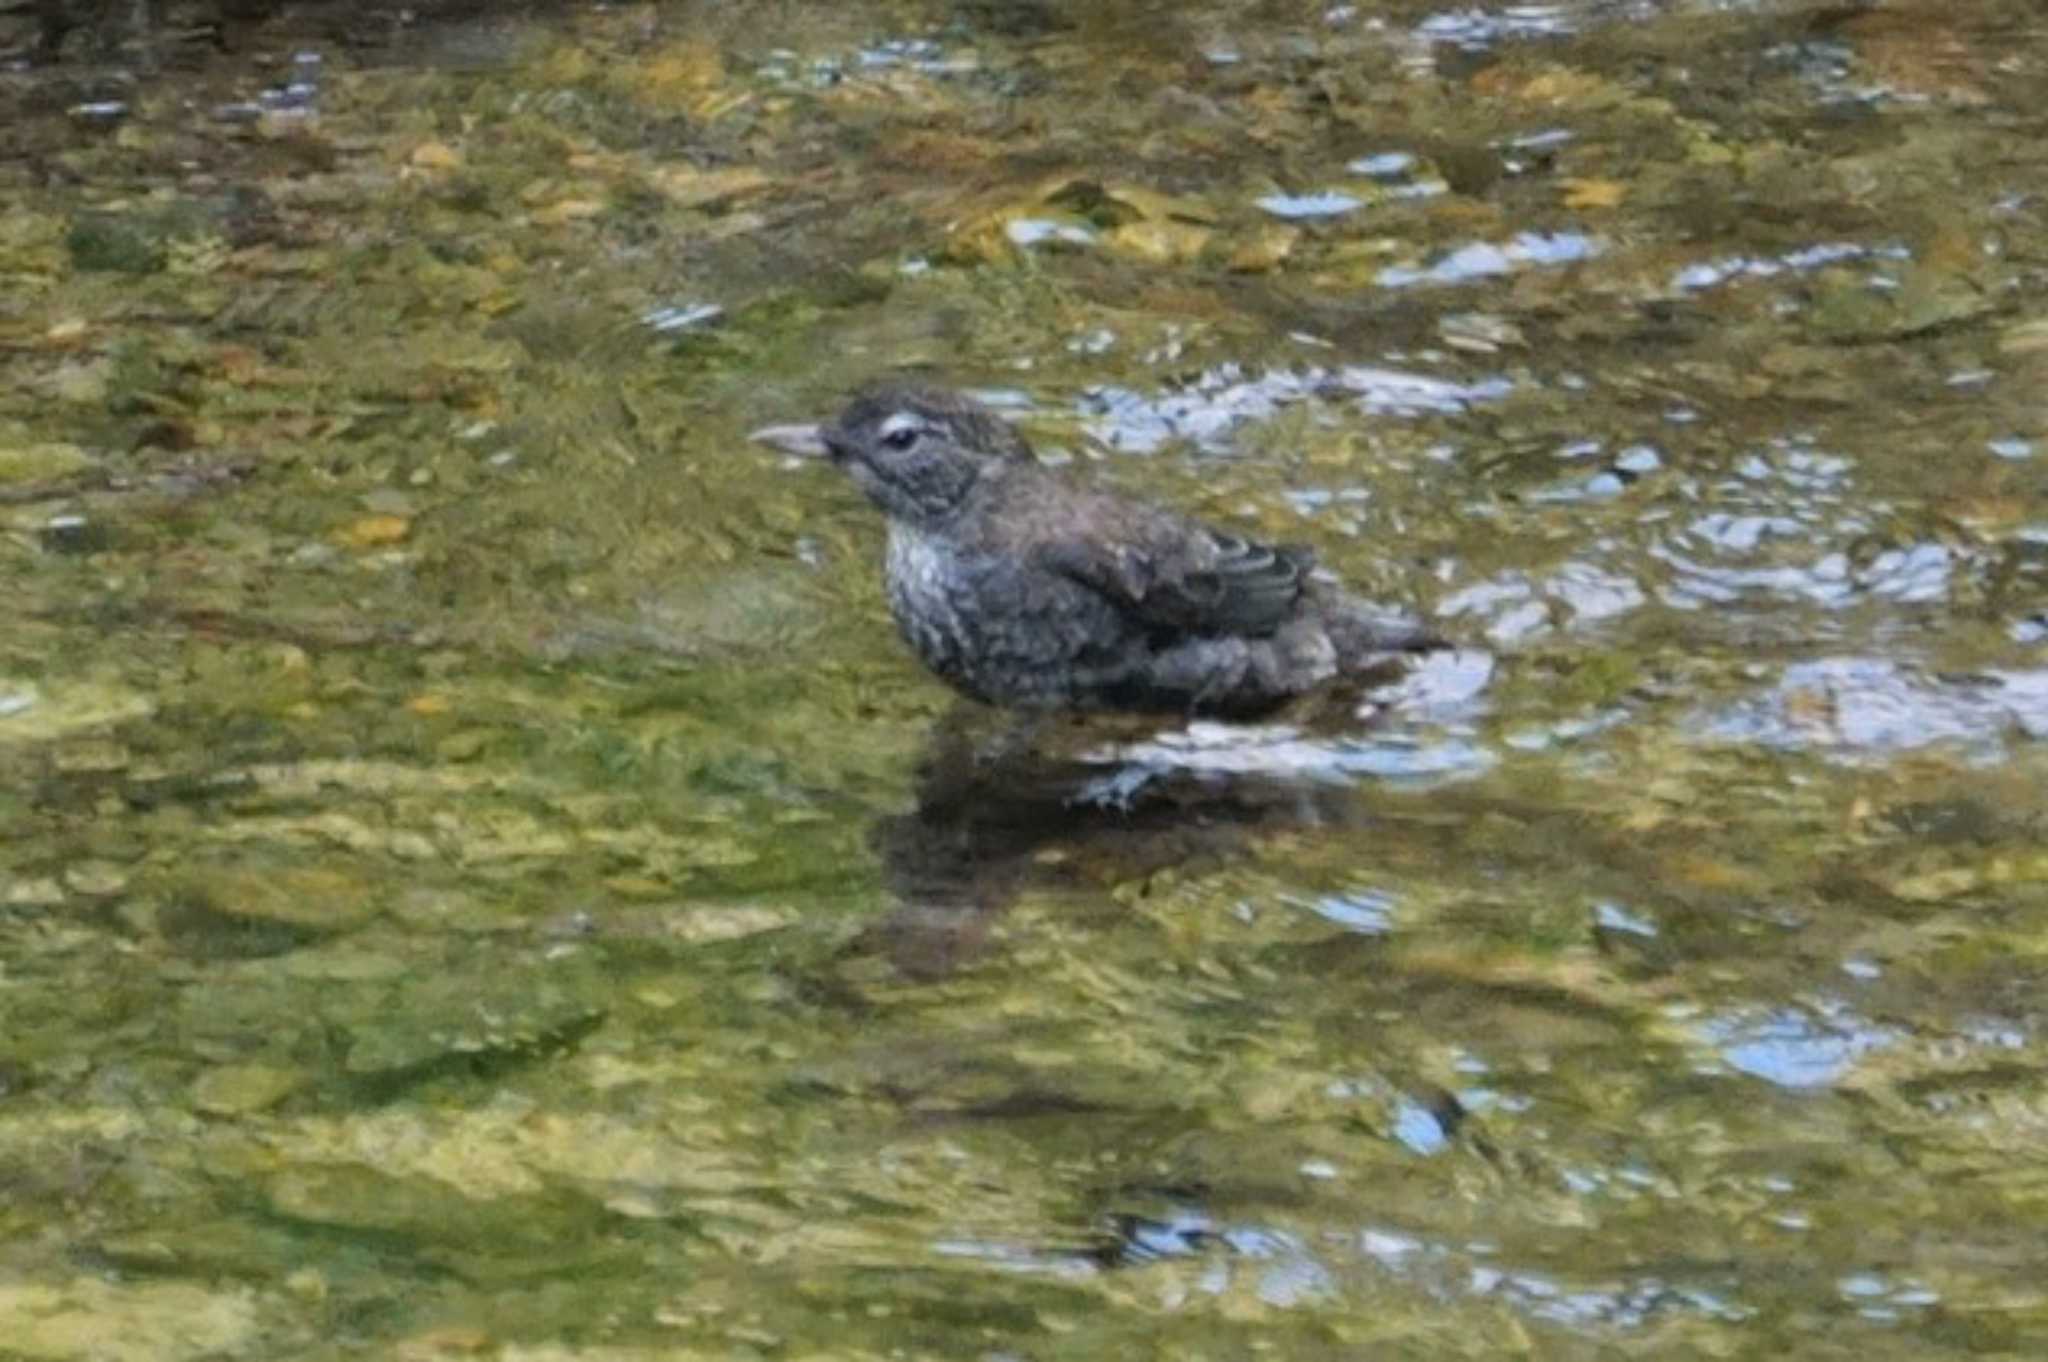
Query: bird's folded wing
point(1199, 582)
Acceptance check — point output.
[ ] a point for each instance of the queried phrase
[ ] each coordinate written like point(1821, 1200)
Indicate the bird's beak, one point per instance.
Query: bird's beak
point(805, 441)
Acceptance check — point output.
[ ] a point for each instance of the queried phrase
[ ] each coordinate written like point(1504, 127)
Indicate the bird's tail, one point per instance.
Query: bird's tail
point(1367, 636)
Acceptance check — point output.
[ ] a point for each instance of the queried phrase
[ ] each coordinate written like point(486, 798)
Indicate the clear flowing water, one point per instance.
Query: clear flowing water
point(480, 878)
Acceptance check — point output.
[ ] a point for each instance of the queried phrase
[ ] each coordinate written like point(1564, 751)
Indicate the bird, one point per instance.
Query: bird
point(1026, 590)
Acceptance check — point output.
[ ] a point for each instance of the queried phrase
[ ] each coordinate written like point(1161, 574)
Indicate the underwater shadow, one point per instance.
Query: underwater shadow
point(1094, 804)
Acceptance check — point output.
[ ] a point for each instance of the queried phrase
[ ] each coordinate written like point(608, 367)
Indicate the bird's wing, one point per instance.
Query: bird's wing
point(1185, 577)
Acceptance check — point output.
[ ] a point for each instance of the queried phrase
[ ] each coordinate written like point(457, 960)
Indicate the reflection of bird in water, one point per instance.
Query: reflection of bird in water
point(984, 832)
point(1024, 590)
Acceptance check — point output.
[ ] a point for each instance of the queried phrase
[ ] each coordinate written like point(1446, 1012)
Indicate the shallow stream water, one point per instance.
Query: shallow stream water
point(480, 878)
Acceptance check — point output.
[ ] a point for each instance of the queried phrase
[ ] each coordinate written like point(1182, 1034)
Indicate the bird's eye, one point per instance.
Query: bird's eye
point(903, 437)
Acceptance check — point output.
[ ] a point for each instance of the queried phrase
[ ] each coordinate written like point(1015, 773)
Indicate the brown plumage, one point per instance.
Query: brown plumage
point(1025, 589)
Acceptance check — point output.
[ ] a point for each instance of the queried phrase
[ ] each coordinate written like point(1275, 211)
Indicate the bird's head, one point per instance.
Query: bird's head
point(916, 452)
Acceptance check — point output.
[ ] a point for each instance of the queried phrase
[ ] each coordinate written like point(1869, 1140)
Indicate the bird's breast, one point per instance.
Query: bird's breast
point(932, 591)
point(921, 568)
point(994, 626)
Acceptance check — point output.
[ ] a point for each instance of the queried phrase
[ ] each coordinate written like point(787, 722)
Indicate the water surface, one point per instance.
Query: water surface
point(481, 879)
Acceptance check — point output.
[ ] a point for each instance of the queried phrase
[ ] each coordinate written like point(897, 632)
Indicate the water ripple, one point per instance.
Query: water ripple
point(1475, 29)
point(1484, 260)
point(1788, 526)
point(1865, 706)
point(1794, 1047)
point(1208, 411)
point(1286, 753)
point(1518, 606)
point(1725, 269)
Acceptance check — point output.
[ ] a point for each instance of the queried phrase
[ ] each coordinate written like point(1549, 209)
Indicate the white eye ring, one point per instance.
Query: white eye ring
point(902, 430)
